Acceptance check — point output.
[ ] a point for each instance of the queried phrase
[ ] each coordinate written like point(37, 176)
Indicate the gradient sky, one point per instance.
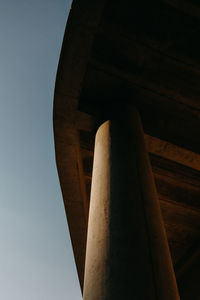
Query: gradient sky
point(36, 261)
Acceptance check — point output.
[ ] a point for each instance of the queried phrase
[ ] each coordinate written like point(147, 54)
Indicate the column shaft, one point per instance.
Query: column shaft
point(127, 254)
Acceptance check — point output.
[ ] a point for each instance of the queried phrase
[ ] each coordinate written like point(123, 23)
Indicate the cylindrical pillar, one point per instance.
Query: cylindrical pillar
point(127, 254)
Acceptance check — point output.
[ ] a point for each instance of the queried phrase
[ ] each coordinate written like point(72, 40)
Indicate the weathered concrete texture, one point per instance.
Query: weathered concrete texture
point(127, 250)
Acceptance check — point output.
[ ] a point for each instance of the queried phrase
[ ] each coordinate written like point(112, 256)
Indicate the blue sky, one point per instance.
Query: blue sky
point(36, 261)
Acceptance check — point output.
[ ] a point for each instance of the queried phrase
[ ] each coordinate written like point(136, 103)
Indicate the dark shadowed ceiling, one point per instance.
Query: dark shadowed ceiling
point(145, 54)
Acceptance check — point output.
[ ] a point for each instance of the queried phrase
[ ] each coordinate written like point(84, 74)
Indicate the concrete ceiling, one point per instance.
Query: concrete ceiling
point(146, 54)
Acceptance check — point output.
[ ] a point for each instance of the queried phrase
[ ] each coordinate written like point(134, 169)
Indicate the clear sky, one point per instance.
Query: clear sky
point(36, 261)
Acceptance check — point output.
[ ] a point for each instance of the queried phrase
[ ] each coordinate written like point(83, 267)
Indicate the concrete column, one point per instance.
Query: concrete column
point(127, 254)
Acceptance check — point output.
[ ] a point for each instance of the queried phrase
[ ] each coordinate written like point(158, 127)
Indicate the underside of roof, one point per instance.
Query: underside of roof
point(146, 54)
